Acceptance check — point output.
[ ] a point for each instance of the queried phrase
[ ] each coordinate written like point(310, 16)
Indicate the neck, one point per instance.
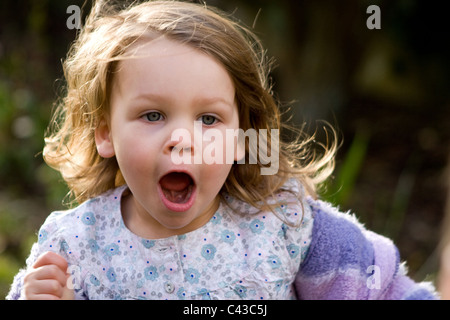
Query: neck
point(142, 224)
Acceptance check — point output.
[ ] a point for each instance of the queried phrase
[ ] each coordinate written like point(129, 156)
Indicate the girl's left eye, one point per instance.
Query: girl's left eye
point(153, 116)
point(208, 120)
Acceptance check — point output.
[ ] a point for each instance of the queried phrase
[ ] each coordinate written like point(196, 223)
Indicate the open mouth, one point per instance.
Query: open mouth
point(177, 191)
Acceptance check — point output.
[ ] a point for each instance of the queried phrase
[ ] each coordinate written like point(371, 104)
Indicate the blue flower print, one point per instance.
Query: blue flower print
point(42, 236)
point(64, 247)
point(228, 236)
point(148, 243)
point(205, 294)
point(88, 218)
point(304, 250)
point(93, 279)
point(274, 261)
point(181, 293)
point(282, 208)
point(208, 251)
point(92, 244)
point(112, 249)
point(111, 274)
point(241, 291)
point(192, 275)
point(228, 198)
point(293, 250)
point(282, 232)
point(151, 273)
point(278, 285)
point(256, 226)
point(216, 219)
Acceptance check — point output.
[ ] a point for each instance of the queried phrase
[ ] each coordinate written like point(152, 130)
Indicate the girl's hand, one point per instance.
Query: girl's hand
point(47, 280)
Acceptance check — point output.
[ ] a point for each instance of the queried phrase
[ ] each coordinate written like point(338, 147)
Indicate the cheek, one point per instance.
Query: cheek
point(214, 176)
point(221, 146)
point(134, 157)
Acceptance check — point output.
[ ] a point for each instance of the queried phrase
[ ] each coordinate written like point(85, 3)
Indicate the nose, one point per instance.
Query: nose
point(181, 140)
point(183, 144)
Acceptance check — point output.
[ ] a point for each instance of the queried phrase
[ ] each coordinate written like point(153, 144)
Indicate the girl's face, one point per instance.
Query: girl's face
point(168, 86)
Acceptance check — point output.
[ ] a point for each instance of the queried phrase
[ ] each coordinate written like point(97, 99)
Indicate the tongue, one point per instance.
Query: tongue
point(177, 187)
point(175, 181)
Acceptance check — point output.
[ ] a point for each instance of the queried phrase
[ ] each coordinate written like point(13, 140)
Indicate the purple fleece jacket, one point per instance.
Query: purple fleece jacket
point(346, 261)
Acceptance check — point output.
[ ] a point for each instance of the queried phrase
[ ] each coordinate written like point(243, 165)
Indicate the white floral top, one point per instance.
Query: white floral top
point(239, 254)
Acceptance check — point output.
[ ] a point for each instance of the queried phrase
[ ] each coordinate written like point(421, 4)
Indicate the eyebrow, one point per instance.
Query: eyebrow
point(214, 100)
point(200, 100)
point(148, 97)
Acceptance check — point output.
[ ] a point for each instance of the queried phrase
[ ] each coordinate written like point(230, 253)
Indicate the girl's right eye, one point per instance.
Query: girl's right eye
point(153, 116)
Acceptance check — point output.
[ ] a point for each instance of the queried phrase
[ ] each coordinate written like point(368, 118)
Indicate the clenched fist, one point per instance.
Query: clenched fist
point(47, 279)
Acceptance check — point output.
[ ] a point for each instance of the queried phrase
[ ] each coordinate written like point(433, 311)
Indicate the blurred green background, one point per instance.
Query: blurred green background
point(386, 91)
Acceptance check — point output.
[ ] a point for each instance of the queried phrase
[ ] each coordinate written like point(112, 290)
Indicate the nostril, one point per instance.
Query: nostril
point(175, 148)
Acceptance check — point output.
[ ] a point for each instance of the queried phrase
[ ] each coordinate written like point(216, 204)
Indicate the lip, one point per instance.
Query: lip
point(178, 207)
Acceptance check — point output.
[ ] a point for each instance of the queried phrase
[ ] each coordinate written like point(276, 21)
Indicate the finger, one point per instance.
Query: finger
point(48, 287)
point(42, 297)
point(49, 272)
point(51, 258)
point(68, 292)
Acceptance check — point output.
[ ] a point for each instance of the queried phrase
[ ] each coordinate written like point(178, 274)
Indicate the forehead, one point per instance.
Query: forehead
point(166, 67)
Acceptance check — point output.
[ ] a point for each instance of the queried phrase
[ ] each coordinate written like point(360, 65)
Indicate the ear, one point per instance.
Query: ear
point(103, 140)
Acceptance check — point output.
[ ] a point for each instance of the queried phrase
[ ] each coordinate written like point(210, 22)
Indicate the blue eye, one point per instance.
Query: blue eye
point(208, 120)
point(153, 116)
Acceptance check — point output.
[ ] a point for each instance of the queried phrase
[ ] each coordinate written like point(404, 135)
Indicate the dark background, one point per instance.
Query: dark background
point(386, 91)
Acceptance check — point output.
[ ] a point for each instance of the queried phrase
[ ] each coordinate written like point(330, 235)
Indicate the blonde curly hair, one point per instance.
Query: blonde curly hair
point(109, 30)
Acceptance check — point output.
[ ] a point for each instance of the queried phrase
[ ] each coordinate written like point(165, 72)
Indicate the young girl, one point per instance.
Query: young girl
point(148, 227)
